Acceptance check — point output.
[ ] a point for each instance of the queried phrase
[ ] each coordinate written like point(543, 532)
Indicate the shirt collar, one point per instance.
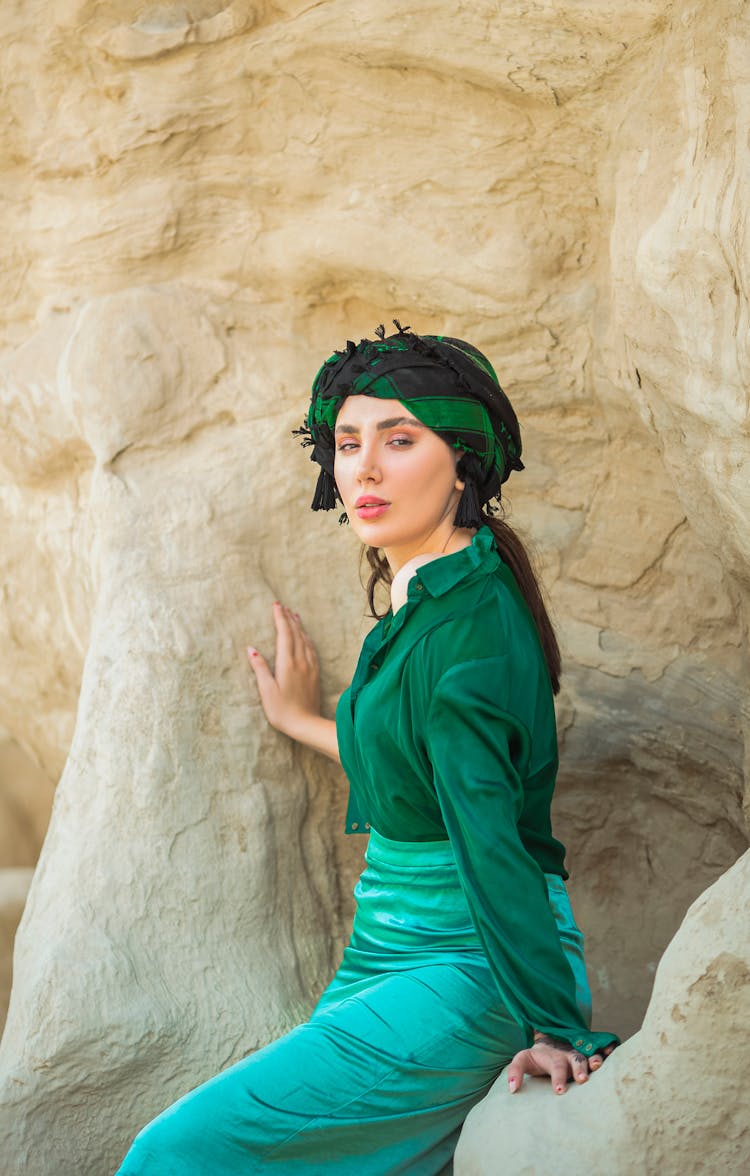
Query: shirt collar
point(443, 573)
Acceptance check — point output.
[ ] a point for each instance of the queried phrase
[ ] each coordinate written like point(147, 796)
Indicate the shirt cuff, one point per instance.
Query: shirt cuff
point(585, 1042)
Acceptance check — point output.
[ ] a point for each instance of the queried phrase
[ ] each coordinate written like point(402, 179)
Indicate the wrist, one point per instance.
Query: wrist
point(548, 1039)
point(300, 726)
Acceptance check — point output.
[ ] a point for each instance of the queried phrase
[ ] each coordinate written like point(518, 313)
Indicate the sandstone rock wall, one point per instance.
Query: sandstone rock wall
point(201, 201)
point(25, 800)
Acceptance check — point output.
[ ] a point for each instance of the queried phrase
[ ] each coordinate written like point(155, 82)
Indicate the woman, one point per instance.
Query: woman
point(464, 955)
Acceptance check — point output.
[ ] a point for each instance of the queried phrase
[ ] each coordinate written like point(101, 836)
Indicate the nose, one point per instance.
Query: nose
point(368, 469)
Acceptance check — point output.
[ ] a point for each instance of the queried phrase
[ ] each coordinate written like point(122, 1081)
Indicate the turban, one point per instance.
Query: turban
point(447, 384)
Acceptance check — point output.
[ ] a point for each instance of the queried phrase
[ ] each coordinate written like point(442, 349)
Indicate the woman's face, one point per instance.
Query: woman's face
point(396, 477)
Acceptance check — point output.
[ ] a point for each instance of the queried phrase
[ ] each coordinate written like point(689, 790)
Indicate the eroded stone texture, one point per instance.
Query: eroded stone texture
point(14, 887)
point(26, 794)
point(202, 201)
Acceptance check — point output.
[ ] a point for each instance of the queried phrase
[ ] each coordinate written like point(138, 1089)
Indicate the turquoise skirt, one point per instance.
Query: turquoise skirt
point(408, 1036)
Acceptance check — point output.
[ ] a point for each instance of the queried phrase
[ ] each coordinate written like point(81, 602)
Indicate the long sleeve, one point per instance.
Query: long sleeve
point(480, 756)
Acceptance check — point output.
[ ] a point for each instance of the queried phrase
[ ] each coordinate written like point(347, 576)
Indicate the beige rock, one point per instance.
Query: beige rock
point(201, 201)
point(25, 801)
point(170, 773)
point(14, 886)
point(26, 794)
point(669, 1100)
point(680, 267)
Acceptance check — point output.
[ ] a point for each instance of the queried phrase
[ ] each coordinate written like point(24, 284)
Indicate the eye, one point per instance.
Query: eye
point(401, 442)
point(346, 446)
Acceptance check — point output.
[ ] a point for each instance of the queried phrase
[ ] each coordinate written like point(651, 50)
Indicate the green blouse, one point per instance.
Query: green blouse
point(448, 732)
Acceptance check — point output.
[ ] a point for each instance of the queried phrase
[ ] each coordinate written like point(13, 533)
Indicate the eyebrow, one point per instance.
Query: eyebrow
point(389, 424)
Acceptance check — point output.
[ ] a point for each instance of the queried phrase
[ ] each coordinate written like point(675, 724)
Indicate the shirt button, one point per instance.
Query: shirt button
point(579, 1043)
point(367, 824)
point(355, 825)
point(589, 1047)
point(375, 665)
point(419, 587)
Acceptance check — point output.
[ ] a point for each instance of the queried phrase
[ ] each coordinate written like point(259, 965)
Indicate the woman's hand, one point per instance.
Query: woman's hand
point(290, 693)
point(555, 1058)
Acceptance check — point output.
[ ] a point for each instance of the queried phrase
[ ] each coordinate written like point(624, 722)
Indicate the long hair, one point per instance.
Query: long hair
point(514, 554)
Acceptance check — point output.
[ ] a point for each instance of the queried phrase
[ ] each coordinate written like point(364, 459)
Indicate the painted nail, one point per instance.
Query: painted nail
point(559, 1089)
point(512, 1083)
point(252, 651)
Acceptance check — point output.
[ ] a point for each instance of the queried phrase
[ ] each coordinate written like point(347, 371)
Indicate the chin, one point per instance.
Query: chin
point(383, 534)
point(372, 533)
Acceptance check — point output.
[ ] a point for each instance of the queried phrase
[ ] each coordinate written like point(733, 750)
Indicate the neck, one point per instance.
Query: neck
point(442, 541)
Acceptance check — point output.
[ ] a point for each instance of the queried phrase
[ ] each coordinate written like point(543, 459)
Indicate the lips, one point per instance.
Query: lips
point(368, 506)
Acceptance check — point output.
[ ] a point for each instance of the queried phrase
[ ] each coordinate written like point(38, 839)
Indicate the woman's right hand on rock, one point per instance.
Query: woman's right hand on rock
point(290, 693)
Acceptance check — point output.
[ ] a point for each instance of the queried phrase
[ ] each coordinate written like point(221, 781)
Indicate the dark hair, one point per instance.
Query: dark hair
point(514, 554)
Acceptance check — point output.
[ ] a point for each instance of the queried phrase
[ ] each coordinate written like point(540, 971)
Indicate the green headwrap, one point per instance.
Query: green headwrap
point(446, 383)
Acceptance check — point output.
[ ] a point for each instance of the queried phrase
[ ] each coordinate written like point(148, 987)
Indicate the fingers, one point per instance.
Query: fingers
point(523, 1063)
point(597, 1060)
point(303, 646)
point(292, 640)
point(284, 634)
point(257, 661)
point(263, 676)
point(295, 666)
point(555, 1059)
point(558, 1072)
point(552, 1062)
point(579, 1067)
point(310, 653)
point(260, 666)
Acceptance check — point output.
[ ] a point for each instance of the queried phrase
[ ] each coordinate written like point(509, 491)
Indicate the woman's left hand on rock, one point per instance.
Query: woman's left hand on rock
point(557, 1059)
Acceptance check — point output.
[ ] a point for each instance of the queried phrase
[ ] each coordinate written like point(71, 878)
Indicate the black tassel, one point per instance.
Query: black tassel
point(469, 509)
point(343, 518)
point(325, 492)
point(305, 434)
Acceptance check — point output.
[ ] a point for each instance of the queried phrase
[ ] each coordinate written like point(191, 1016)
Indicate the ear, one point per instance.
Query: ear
point(460, 484)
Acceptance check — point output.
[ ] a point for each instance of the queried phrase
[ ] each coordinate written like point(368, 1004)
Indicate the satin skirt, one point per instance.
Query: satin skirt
point(408, 1036)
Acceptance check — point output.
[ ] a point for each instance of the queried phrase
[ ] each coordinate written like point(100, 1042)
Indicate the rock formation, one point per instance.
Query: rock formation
point(25, 799)
point(201, 201)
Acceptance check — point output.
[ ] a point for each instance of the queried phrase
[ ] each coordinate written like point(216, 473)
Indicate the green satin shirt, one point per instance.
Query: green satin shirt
point(448, 732)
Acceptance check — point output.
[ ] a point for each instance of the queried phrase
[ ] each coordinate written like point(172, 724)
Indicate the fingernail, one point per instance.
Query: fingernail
point(559, 1089)
point(582, 1078)
point(251, 651)
point(512, 1083)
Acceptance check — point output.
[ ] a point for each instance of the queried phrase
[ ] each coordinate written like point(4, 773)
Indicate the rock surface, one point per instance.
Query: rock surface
point(26, 794)
point(14, 887)
point(201, 201)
